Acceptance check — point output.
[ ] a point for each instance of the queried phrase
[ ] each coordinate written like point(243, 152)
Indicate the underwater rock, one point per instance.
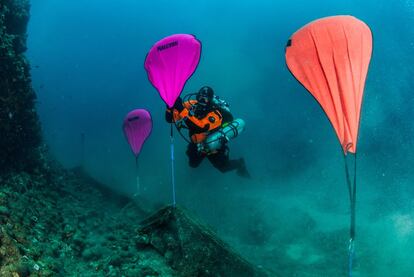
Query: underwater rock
point(93, 254)
point(9, 254)
point(20, 138)
point(191, 248)
point(4, 211)
point(22, 269)
point(71, 225)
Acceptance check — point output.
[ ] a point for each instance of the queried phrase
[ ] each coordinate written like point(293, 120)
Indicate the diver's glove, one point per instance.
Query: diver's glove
point(178, 105)
point(168, 115)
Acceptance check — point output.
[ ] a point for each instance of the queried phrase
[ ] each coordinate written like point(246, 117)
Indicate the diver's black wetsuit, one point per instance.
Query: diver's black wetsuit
point(219, 159)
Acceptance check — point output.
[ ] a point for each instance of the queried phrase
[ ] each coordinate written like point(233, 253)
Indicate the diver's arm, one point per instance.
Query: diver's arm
point(178, 105)
point(224, 109)
point(227, 116)
point(194, 128)
point(169, 115)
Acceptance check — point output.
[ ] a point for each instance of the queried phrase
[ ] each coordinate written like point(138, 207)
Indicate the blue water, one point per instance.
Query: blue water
point(87, 59)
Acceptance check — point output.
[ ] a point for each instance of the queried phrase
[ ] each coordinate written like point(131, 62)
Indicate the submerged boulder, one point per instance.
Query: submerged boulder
point(191, 248)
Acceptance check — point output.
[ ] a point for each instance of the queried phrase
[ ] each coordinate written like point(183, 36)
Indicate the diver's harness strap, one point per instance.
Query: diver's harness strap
point(180, 124)
point(179, 127)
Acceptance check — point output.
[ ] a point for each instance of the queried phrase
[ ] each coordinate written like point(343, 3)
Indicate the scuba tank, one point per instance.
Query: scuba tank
point(214, 141)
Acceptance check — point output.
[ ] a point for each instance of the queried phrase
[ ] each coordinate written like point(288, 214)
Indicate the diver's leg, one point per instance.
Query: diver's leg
point(194, 156)
point(221, 161)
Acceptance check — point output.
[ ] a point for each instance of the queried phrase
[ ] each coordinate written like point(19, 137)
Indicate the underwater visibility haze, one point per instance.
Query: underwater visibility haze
point(291, 216)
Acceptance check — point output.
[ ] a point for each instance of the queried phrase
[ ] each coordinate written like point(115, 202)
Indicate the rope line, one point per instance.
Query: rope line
point(352, 199)
point(172, 166)
point(137, 176)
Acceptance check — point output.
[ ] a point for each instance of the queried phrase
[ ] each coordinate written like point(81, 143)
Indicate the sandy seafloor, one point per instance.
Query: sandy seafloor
point(301, 228)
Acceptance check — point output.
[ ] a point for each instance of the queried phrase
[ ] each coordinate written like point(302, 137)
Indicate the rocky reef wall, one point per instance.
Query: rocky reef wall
point(20, 135)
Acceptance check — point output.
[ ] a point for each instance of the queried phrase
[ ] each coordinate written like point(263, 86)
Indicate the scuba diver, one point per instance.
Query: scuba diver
point(205, 117)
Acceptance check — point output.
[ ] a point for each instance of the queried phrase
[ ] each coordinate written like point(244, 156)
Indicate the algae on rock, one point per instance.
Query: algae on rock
point(19, 125)
point(191, 248)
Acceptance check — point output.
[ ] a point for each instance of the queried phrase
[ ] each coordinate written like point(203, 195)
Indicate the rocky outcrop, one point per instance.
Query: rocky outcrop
point(70, 225)
point(19, 125)
point(191, 248)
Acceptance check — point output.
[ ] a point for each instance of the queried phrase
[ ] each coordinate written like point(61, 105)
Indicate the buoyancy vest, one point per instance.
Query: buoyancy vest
point(210, 122)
